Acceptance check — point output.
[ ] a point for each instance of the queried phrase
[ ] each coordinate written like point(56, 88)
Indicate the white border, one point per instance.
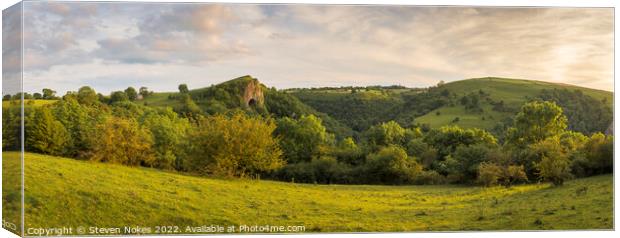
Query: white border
point(553, 3)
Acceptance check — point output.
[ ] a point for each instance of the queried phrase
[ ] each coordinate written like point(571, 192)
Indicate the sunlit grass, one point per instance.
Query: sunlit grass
point(66, 192)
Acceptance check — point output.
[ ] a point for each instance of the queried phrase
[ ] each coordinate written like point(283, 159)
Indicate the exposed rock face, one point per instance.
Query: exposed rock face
point(253, 94)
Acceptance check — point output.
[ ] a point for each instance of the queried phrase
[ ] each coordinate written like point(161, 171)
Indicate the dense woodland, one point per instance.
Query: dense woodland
point(209, 132)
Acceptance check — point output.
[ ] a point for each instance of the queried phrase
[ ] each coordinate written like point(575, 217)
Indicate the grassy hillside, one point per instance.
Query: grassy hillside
point(229, 95)
point(160, 100)
point(357, 109)
point(27, 103)
point(441, 106)
point(66, 192)
point(514, 92)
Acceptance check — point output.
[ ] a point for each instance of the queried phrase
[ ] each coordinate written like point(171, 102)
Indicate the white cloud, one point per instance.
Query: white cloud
point(114, 45)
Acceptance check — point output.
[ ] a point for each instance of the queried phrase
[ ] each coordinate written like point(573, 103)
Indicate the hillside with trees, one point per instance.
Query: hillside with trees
point(241, 128)
point(485, 103)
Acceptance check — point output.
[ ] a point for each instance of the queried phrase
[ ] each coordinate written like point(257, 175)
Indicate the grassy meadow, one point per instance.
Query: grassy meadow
point(27, 103)
point(68, 192)
point(514, 93)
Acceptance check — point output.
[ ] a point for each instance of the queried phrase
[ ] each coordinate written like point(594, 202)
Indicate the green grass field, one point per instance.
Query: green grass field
point(67, 192)
point(514, 93)
point(159, 100)
point(27, 103)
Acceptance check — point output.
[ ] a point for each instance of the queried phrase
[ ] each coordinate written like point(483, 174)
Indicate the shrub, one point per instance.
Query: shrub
point(391, 165)
point(553, 164)
point(123, 141)
point(446, 139)
point(429, 177)
point(555, 170)
point(348, 152)
point(468, 158)
point(599, 151)
point(324, 170)
point(514, 174)
point(236, 146)
point(489, 174)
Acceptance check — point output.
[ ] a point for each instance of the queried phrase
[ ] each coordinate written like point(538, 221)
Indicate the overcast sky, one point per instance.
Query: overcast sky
point(111, 46)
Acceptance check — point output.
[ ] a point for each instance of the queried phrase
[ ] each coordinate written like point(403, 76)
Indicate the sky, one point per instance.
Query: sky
point(110, 46)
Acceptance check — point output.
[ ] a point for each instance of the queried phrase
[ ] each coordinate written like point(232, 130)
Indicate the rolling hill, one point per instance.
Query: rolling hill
point(237, 94)
point(82, 193)
point(496, 101)
point(513, 93)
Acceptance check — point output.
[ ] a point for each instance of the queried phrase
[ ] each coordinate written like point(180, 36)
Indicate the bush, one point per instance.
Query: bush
point(348, 152)
point(599, 151)
point(514, 174)
point(446, 139)
point(429, 177)
point(555, 170)
point(325, 170)
point(123, 141)
point(468, 159)
point(554, 165)
point(238, 146)
point(489, 174)
point(391, 165)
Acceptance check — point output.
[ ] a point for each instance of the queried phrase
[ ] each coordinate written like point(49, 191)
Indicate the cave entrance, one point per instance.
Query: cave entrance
point(252, 102)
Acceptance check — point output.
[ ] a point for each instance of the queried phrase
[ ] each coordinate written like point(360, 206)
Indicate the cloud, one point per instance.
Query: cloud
point(11, 50)
point(315, 45)
point(188, 34)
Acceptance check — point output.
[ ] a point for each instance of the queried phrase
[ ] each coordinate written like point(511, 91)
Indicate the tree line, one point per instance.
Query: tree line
point(298, 148)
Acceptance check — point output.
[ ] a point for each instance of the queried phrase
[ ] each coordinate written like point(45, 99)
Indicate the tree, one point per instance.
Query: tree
point(118, 96)
point(598, 151)
point(554, 164)
point(44, 133)
point(535, 122)
point(188, 107)
point(426, 154)
point(389, 133)
point(131, 93)
point(391, 165)
point(80, 121)
point(37, 96)
point(123, 141)
point(49, 94)
point(349, 152)
point(11, 128)
point(447, 138)
point(489, 174)
point(168, 131)
point(183, 88)
point(468, 159)
point(512, 174)
point(302, 139)
point(87, 96)
point(144, 91)
point(238, 146)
